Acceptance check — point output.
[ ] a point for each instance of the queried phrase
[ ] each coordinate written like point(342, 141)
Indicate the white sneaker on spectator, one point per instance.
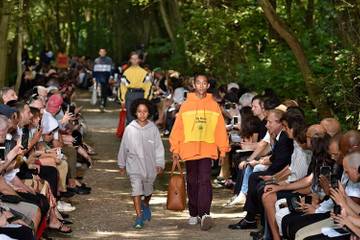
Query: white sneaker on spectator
point(64, 208)
point(239, 200)
point(193, 220)
point(229, 201)
point(206, 222)
point(63, 203)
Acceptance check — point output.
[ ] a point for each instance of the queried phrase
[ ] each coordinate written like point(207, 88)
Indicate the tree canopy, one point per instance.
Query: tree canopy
point(305, 50)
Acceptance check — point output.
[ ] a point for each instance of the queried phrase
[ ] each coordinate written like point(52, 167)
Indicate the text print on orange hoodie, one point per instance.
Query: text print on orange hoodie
point(199, 130)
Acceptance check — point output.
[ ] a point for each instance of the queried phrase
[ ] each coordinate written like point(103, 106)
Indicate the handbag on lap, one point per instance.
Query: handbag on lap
point(176, 196)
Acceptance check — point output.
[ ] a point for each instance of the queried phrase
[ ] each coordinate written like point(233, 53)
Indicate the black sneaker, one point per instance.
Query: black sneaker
point(67, 194)
point(79, 190)
point(243, 224)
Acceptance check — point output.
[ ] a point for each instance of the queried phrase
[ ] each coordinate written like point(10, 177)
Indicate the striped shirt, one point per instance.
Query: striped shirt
point(300, 160)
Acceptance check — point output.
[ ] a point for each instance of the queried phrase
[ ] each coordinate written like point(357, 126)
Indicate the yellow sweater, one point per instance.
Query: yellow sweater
point(134, 77)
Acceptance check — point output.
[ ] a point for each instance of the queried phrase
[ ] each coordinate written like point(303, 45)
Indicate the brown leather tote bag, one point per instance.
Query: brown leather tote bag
point(176, 196)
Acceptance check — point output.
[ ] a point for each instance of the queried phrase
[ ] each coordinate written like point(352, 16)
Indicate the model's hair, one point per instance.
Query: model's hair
point(141, 101)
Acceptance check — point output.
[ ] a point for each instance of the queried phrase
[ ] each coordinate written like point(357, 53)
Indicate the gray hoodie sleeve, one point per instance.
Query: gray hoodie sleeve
point(122, 152)
point(160, 152)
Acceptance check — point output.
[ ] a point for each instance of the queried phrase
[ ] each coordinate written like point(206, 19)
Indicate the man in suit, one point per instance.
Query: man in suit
point(282, 148)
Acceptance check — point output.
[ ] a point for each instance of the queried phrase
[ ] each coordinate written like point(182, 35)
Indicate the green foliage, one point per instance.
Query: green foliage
point(228, 39)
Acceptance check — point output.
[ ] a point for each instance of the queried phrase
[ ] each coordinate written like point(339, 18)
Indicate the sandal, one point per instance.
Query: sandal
point(60, 229)
point(66, 222)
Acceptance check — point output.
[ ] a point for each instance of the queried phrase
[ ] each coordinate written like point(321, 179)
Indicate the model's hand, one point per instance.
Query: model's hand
point(123, 105)
point(122, 171)
point(221, 160)
point(159, 170)
point(176, 158)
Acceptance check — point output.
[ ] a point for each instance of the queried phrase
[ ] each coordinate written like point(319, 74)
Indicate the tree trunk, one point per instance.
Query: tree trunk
point(166, 21)
point(4, 26)
point(20, 46)
point(294, 44)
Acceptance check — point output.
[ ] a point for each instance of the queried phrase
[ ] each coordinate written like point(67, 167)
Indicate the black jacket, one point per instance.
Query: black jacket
point(281, 154)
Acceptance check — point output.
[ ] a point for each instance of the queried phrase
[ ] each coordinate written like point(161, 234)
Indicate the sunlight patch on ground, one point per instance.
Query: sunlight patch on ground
point(97, 110)
point(171, 233)
point(107, 170)
point(106, 161)
point(103, 130)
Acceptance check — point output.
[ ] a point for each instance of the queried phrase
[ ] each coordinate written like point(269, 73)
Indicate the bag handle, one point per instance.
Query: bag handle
point(176, 164)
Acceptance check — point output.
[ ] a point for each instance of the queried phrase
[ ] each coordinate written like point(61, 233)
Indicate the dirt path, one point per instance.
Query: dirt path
point(107, 213)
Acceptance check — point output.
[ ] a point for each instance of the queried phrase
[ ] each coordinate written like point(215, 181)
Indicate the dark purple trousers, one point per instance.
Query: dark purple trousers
point(199, 189)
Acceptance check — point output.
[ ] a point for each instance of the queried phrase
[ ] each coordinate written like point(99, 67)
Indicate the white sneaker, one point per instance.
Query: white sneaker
point(64, 208)
point(206, 222)
point(239, 200)
point(62, 203)
point(193, 220)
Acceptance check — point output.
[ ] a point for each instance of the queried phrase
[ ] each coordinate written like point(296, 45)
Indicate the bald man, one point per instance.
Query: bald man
point(352, 166)
point(315, 130)
point(350, 142)
point(331, 125)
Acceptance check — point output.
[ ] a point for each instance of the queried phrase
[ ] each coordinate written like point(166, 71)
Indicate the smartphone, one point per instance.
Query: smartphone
point(342, 231)
point(334, 181)
point(25, 141)
point(236, 120)
point(2, 153)
point(308, 199)
point(337, 209)
point(325, 171)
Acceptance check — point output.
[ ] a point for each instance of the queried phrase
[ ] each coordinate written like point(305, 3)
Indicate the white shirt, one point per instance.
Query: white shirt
point(300, 160)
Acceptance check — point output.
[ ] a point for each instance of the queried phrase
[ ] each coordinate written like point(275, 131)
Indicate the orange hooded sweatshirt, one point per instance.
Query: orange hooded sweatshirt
point(199, 130)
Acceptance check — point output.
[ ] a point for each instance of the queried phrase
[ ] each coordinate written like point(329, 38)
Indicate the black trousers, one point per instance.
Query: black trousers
point(21, 233)
point(51, 175)
point(323, 237)
point(253, 204)
point(104, 93)
point(293, 222)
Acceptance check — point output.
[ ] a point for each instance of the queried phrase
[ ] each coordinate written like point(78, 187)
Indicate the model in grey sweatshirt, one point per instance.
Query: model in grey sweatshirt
point(141, 150)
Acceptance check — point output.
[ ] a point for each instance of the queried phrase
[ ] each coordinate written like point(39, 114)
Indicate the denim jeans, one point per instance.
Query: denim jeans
point(248, 171)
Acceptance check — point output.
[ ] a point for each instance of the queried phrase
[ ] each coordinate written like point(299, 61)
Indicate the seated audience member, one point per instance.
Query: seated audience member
point(348, 188)
point(287, 216)
point(246, 99)
point(331, 125)
point(8, 95)
point(343, 196)
point(249, 133)
point(280, 157)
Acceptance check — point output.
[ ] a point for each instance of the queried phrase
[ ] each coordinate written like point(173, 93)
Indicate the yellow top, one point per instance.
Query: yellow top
point(134, 77)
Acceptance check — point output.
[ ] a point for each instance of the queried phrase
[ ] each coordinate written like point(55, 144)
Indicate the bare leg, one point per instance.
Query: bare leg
point(54, 221)
point(147, 200)
point(137, 205)
point(269, 206)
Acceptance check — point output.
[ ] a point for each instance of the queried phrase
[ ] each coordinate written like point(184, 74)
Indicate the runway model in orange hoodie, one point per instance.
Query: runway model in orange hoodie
point(198, 137)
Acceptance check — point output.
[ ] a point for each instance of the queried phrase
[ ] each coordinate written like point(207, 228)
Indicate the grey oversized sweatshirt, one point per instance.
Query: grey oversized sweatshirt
point(141, 150)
